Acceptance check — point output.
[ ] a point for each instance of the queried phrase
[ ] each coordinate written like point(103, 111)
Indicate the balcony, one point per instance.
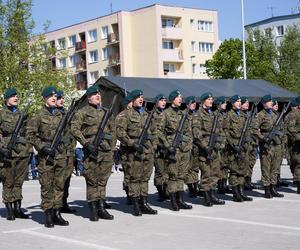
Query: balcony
point(113, 61)
point(81, 66)
point(113, 38)
point(172, 55)
point(80, 46)
point(172, 33)
point(174, 75)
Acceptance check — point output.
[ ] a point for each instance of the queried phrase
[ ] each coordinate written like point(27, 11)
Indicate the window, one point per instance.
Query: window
point(92, 36)
point(169, 67)
point(192, 23)
point(202, 69)
point(105, 72)
point(62, 62)
point(194, 47)
point(72, 41)
point(205, 26)
point(193, 68)
point(72, 61)
point(61, 43)
point(280, 30)
point(104, 32)
point(168, 44)
point(206, 47)
point(94, 76)
point(93, 56)
point(168, 23)
point(104, 54)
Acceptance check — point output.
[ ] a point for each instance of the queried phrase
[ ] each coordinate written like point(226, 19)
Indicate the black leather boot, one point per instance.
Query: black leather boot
point(221, 187)
point(192, 191)
point(207, 199)
point(243, 195)
point(248, 184)
point(214, 199)
point(58, 219)
point(49, 218)
point(180, 201)
point(9, 211)
point(268, 194)
point(102, 212)
point(174, 205)
point(18, 210)
point(107, 205)
point(93, 211)
point(129, 201)
point(166, 193)
point(136, 207)
point(66, 209)
point(236, 194)
point(161, 195)
point(274, 193)
point(145, 208)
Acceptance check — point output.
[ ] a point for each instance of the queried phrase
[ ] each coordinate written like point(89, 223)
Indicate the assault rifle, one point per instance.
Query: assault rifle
point(213, 137)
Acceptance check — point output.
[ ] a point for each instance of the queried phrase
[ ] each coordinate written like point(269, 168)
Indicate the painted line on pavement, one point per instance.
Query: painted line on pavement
point(21, 230)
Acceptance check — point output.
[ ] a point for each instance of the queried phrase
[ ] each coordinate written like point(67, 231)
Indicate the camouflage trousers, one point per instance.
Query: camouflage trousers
point(125, 171)
point(52, 180)
point(96, 174)
point(237, 169)
point(68, 173)
point(268, 166)
point(295, 161)
point(139, 174)
point(193, 171)
point(250, 161)
point(177, 171)
point(13, 178)
point(160, 174)
point(279, 153)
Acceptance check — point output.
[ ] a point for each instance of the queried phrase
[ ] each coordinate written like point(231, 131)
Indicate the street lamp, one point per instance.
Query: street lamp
point(244, 46)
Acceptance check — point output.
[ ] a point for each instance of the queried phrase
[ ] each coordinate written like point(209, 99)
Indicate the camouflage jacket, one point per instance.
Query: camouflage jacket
point(157, 119)
point(292, 126)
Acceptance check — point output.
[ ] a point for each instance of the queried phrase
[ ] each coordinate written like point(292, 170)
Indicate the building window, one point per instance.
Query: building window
point(167, 23)
point(104, 32)
point(94, 76)
point(202, 69)
point(206, 47)
point(62, 62)
point(104, 54)
point(169, 67)
point(92, 36)
point(193, 24)
point(205, 26)
point(72, 41)
point(193, 68)
point(93, 56)
point(61, 43)
point(194, 47)
point(168, 44)
point(72, 61)
point(105, 72)
point(280, 30)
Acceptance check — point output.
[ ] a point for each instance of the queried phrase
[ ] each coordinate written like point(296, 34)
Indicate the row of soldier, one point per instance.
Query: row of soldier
point(179, 143)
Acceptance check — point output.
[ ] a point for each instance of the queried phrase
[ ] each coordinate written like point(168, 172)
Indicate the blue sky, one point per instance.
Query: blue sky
point(62, 13)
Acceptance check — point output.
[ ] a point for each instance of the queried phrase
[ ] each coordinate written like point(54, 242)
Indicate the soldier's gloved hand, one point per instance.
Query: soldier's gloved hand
point(5, 153)
point(172, 150)
point(138, 148)
point(91, 149)
point(48, 151)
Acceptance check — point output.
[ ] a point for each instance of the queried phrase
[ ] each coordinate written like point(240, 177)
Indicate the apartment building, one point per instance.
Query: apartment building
point(154, 41)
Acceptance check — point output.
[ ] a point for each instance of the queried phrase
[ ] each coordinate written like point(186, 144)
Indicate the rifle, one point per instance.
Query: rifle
point(144, 134)
point(247, 123)
point(276, 126)
point(60, 129)
point(213, 137)
point(100, 133)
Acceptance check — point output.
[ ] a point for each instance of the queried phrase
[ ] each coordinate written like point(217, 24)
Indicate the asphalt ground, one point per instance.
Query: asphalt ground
point(260, 224)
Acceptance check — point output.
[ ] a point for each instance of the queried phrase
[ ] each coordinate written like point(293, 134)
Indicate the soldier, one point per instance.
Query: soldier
point(160, 175)
point(209, 162)
point(15, 163)
point(98, 159)
point(177, 169)
point(292, 127)
point(263, 124)
point(233, 126)
point(70, 143)
point(130, 124)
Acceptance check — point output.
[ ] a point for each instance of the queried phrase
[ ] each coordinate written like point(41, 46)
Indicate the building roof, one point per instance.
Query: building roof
point(273, 19)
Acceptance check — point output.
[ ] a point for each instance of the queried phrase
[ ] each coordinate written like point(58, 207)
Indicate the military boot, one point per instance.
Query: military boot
point(66, 209)
point(214, 199)
point(207, 199)
point(129, 201)
point(49, 218)
point(166, 193)
point(268, 194)
point(58, 219)
point(136, 207)
point(243, 195)
point(107, 205)
point(281, 183)
point(298, 187)
point(174, 205)
point(102, 212)
point(192, 191)
point(18, 211)
point(274, 193)
point(248, 184)
point(10, 212)
point(161, 195)
point(93, 211)
point(221, 186)
point(145, 208)
point(180, 201)
point(236, 194)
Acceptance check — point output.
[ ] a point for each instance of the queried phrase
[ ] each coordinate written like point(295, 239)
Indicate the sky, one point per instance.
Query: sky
point(62, 13)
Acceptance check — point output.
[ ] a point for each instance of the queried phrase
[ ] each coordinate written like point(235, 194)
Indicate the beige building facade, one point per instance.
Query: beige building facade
point(154, 41)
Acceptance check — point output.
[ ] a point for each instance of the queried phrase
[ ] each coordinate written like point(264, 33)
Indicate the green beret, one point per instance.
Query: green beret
point(297, 99)
point(92, 90)
point(274, 101)
point(159, 97)
point(220, 100)
point(205, 96)
point(127, 98)
point(244, 99)
point(265, 99)
point(235, 98)
point(59, 94)
point(173, 95)
point(294, 103)
point(9, 92)
point(190, 99)
point(135, 94)
point(49, 91)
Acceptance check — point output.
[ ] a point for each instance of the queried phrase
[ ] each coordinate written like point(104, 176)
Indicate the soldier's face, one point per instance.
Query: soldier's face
point(193, 106)
point(161, 103)
point(208, 102)
point(138, 102)
point(223, 106)
point(95, 99)
point(268, 105)
point(245, 106)
point(237, 104)
point(129, 105)
point(50, 100)
point(177, 101)
point(60, 102)
point(275, 107)
point(12, 101)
